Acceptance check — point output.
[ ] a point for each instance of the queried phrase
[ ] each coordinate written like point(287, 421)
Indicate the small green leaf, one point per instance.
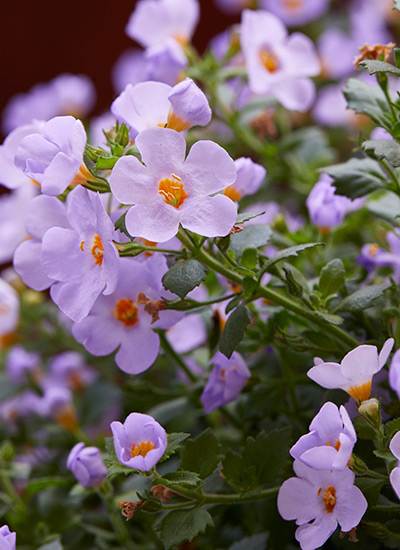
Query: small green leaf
point(114, 467)
point(356, 177)
point(362, 299)
point(249, 258)
point(387, 149)
point(183, 277)
point(234, 330)
point(330, 317)
point(202, 454)
point(246, 216)
point(332, 277)
point(368, 100)
point(233, 303)
point(384, 455)
point(294, 288)
point(106, 163)
point(397, 50)
point(120, 225)
point(286, 253)
point(179, 478)
point(249, 286)
point(375, 66)
point(252, 236)
point(174, 441)
point(363, 428)
point(392, 427)
point(386, 207)
point(181, 526)
point(237, 473)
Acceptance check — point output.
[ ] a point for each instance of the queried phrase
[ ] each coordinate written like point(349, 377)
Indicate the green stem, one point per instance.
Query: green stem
point(192, 304)
point(12, 493)
point(119, 525)
point(269, 293)
point(169, 350)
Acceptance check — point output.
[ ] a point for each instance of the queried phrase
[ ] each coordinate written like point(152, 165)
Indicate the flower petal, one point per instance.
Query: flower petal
point(360, 364)
point(209, 216)
point(328, 375)
point(162, 150)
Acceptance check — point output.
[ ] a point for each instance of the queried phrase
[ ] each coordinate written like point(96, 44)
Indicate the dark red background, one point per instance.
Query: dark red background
point(41, 39)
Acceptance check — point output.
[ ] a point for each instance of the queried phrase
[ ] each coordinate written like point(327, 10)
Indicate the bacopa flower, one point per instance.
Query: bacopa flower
point(170, 190)
point(276, 63)
point(21, 363)
point(139, 442)
point(394, 373)
point(9, 311)
point(395, 473)
point(296, 12)
point(248, 179)
point(120, 320)
point(154, 21)
point(226, 381)
point(7, 538)
point(150, 104)
point(354, 374)
point(54, 157)
point(87, 465)
point(318, 500)
point(330, 442)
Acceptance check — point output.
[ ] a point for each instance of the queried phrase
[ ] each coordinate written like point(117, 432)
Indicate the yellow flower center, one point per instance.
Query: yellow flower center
point(373, 249)
point(97, 249)
point(232, 193)
point(176, 123)
point(360, 393)
point(172, 191)
point(329, 498)
point(269, 60)
point(126, 312)
point(142, 449)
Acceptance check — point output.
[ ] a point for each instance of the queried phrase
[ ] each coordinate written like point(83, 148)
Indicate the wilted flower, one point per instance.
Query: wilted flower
point(87, 465)
point(355, 372)
point(318, 500)
point(139, 442)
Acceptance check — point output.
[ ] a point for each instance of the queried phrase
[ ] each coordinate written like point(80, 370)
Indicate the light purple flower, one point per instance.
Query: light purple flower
point(331, 42)
point(296, 12)
point(67, 94)
point(7, 538)
point(54, 158)
point(154, 21)
point(87, 465)
point(326, 209)
point(20, 362)
point(354, 374)
point(380, 133)
point(276, 63)
point(139, 442)
point(226, 381)
point(395, 473)
point(318, 500)
point(71, 369)
point(9, 310)
point(170, 190)
point(187, 334)
point(394, 373)
point(120, 321)
point(83, 261)
point(248, 179)
point(330, 442)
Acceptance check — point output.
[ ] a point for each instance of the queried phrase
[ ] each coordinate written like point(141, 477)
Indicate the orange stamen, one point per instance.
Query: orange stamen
point(97, 250)
point(142, 449)
point(269, 60)
point(360, 393)
point(329, 498)
point(126, 312)
point(232, 193)
point(176, 123)
point(172, 192)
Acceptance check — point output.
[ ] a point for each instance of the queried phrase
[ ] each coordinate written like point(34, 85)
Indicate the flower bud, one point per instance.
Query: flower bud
point(369, 408)
point(87, 465)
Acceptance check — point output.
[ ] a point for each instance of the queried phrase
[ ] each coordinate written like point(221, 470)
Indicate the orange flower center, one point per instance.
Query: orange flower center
point(329, 498)
point(142, 449)
point(292, 5)
point(176, 123)
point(172, 191)
point(269, 60)
point(126, 312)
point(97, 250)
point(360, 393)
point(232, 193)
point(373, 249)
point(336, 446)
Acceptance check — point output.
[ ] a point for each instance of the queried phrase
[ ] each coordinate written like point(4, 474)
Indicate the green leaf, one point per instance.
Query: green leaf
point(397, 50)
point(375, 66)
point(183, 277)
point(114, 467)
point(363, 428)
point(106, 163)
point(356, 177)
point(252, 236)
point(237, 473)
point(120, 225)
point(362, 299)
point(286, 253)
point(387, 149)
point(332, 277)
point(37, 485)
point(368, 100)
point(384, 455)
point(181, 526)
point(249, 258)
point(256, 542)
point(330, 317)
point(371, 488)
point(392, 427)
point(294, 288)
point(386, 207)
point(233, 303)
point(234, 330)
point(180, 478)
point(174, 441)
point(246, 216)
point(249, 286)
point(202, 454)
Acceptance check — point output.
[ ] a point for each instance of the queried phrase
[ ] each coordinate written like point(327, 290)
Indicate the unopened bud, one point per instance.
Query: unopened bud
point(369, 408)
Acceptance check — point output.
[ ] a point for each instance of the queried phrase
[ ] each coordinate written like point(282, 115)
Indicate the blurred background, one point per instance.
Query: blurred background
point(39, 40)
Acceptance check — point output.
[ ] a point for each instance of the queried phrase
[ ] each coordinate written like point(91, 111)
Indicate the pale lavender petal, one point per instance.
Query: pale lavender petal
point(320, 458)
point(385, 352)
point(307, 441)
point(350, 508)
point(360, 364)
point(298, 499)
point(296, 94)
point(209, 216)
point(155, 221)
point(328, 375)
point(395, 481)
point(59, 174)
point(327, 422)
point(61, 254)
point(76, 298)
point(97, 334)
point(139, 352)
point(162, 150)
point(395, 445)
point(131, 182)
point(300, 56)
point(28, 265)
point(314, 535)
point(69, 135)
point(45, 212)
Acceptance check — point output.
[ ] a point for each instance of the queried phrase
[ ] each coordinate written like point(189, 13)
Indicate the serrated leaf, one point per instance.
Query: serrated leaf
point(286, 253)
point(202, 454)
point(387, 149)
point(356, 177)
point(237, 473)
point(174, 441)
point(249, 258)
point(183, 277)
point(255, 542)
point(375, 66)
point(180, 478)
point(392, 427)
point(368, 100)
point(36, 485)
point(252, 236)
point(181, 526)
point(114, 467)
point(332, 277)
point(362, 299)
point(246, 216)
point(234, 330)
